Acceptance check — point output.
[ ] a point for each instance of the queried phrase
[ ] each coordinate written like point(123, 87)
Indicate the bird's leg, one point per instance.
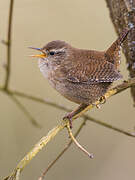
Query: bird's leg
point(76, 113)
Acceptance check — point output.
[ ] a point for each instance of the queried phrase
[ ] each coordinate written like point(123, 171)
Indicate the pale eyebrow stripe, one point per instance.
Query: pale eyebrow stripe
point(58, 50)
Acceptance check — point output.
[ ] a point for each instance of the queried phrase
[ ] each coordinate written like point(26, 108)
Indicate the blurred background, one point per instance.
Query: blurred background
point(84, 24)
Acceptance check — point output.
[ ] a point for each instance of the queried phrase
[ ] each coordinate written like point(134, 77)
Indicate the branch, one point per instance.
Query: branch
point(9, 43)
point(19, 104)
point(76, 134)
point(131, 134)
point(63, 151)
point(122, 13)
point(37, 99)
point(43, 142)
point(76, 142)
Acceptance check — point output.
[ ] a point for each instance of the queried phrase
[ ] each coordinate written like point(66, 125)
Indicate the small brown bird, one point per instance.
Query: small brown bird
point(80, 75)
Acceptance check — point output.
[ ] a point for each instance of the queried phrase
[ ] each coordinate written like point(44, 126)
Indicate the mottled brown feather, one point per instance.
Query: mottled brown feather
point(90, 70)
point(113, 52)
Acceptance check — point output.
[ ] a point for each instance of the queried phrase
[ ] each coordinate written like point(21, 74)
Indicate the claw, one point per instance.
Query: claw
point(102, 100)
point(98, 106)
point(69, 118)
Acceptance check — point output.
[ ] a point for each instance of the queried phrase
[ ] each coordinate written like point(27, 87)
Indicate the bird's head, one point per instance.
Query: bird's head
point(53, 53)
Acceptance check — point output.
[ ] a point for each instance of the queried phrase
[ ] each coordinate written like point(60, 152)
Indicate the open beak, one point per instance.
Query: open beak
point(42, 55)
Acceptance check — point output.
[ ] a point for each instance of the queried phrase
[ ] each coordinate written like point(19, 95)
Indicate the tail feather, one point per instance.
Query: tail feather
point(113, 51)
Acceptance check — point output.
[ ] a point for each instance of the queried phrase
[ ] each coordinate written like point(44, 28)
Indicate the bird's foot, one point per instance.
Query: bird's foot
point(102, 100)
point(75, 113)
point(69, 118)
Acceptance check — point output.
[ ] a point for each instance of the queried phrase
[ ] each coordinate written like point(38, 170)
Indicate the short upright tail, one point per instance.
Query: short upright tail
point(112, 52)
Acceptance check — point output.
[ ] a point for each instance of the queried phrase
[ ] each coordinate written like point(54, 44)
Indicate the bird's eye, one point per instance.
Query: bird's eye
point(52, 53)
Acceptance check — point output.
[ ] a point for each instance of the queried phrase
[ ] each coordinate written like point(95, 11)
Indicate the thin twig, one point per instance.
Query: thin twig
point(37, 99)
point(77, 143)
point(19, 104)
point(9, 43)
point(132, 134)
point(63, 151)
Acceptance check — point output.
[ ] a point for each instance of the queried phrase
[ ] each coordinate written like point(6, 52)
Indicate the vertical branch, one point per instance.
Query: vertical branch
point(9, 44)
point(122, 14)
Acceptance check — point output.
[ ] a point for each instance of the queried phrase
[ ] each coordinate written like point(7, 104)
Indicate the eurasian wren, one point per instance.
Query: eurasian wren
point(80, 75)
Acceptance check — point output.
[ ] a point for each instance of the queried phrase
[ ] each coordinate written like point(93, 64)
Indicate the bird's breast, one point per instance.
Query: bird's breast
point(44, 67)
point(49, 72)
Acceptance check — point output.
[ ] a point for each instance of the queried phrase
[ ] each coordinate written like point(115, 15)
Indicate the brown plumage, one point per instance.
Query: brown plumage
point(82, 76)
